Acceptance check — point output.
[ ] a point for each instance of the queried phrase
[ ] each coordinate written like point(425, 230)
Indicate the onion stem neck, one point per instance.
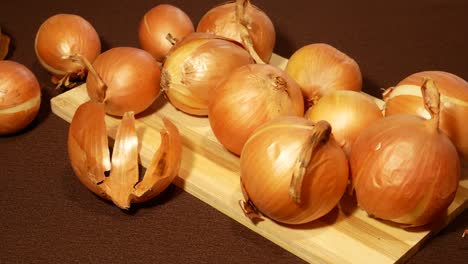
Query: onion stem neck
point(431, 97)
point(102, 87)
point(242, 21)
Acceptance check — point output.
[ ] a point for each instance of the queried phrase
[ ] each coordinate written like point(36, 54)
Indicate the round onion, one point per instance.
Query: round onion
point(406, 97)
point(251, 96)
point(161, 27)
point(125, 79)
point(195, 66)
point(61, 36)
point(244, 23)
point(404, 169)
point(292, 170)
point(348, 112)
point(20, 97)
point(320, 69)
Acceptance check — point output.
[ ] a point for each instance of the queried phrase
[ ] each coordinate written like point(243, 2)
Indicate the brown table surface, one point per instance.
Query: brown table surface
point(47, 216)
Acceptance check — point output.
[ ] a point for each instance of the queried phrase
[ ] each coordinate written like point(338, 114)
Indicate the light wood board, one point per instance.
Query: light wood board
point(210, 173)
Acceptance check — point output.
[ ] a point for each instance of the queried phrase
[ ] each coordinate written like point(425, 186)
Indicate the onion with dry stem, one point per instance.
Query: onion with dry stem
point(404, 169)
point(90, 158)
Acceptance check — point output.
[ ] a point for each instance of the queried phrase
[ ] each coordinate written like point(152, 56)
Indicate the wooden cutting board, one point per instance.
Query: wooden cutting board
point(210, 173)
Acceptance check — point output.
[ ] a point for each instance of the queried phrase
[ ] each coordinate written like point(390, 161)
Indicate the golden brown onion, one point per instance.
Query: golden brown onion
point(406, 97)
point(20, 97)
point(404, 169)
point(4, 44)
point(250, 96)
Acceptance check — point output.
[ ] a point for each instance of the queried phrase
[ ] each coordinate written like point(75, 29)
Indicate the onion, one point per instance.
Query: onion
point(20, 97)
point(406, 97)
point(61, 36)
point(90, 158)
point(125, 79)
point(292, 171)
point(348, 112)
point(161, 27)
point(195, 66)
point(320, 68)
point(4, 44)
point(404, 169)
point(245, 23)
point(251, 96)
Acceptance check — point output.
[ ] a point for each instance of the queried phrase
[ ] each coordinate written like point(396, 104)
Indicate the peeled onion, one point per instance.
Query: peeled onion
point(320, 68)
point(292, 171)
point(348, 112)
point(251, 95)
point(161, 27)
point(245, 23)
point(61, 36)
point(404, 169)
point(20, 97)
point(406, 97)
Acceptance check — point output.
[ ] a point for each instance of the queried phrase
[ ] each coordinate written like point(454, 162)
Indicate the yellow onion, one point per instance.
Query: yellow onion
point(90, 157)
point(61, 36)
point(406, 97)
point(320, 68)
point(292, 171)
point(251, 96)
point(245, 23)
point(404, 169)
point(348, 112)
point(20, 97)
point(4, 44)
point(125, 79)
point(161, 27)
point(195, 66)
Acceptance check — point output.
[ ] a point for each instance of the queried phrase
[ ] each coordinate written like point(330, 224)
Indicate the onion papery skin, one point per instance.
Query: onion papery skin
point(406, 98)
point(195, 67)
point(404, 171)
point(267, 163)
point(157, 23)
point(132, 77)
point(221, 20)
point(251, 96)
point(20, 97)
point(348, 112)
point(320, 68)
point(64, 35)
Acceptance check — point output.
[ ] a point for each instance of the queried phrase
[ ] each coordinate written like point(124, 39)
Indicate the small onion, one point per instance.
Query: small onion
point(61, 36)
point(320, 68)
point(125, 79)
point(251, 96)
point(20, 97)
point(292, 171)
point(406, 97)
point(195, 66)
point(404, 169)
point(4, 44)
point(348, 112)
point(161, 27)
point(245, 23)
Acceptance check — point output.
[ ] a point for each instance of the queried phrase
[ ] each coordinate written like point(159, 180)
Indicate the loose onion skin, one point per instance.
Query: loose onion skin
point(126, 79)
point(61, 36)
point(20, 97)
point(406, 98)
point(279, 151)
point(348, 112)
point(404, 169)
point(251, 26)
point(320, 68)
point(161, 27)
point(251, 96)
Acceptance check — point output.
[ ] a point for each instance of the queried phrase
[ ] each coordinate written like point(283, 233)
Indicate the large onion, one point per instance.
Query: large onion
point(404, 169)
point(20, 97)
point(292, 170)
point(245, 23)
point(406, 97)
point(251, 96)
point(61, 36)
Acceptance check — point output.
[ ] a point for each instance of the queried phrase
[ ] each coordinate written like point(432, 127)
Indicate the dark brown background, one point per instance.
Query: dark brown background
point(47, 216)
